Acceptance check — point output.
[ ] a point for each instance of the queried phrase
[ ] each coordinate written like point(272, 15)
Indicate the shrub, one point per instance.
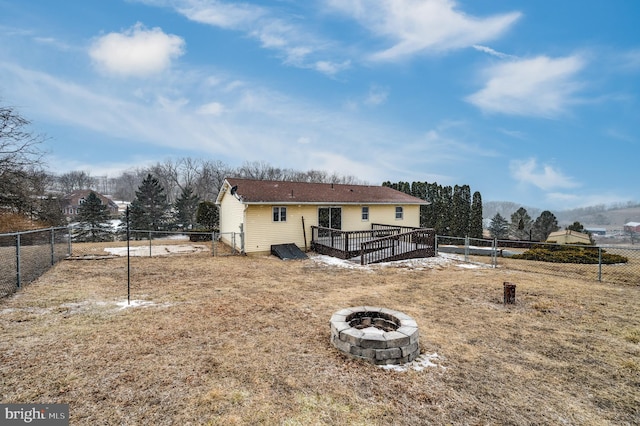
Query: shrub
point(570, 253)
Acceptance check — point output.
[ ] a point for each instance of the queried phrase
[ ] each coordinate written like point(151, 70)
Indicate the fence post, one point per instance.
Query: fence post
point(494, 253)
point(149, 243)
point(69, 238)
point(18, 260)
point(435, 244)
point(213, 243)
point(53, 253)
point(600, 264)
point(466, 248)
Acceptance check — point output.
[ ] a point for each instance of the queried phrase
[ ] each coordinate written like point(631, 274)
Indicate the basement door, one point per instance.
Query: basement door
point(330, 217)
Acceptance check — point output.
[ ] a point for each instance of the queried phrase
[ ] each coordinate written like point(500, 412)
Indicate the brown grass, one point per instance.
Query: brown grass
point(243, 340)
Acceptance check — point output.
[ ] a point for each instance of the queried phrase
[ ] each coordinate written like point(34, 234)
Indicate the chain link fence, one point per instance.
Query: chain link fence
point(24, 256)
point(616, 264)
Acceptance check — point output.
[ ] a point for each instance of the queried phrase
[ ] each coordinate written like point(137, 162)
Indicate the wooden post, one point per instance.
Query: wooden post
point(509, 293)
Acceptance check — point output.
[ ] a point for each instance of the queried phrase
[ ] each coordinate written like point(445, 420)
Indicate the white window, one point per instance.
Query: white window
point(365, 213)
point(399, 213)
point(279, 214)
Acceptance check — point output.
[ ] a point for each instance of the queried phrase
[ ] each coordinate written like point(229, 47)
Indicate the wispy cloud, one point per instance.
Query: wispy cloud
point(416, 26)
point(492, 52)
point(539, 86)
point(544, 177)
point(296, 45)
point(137, 51)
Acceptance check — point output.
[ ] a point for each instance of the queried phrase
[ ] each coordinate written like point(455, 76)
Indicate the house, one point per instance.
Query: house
point(70, 203)
point(280, 212)
point(631, 227)
point(568, 237)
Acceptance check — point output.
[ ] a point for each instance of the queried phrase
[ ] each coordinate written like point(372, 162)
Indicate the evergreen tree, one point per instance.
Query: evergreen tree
point(544, 225)
point(207, 215)
point(186, 206)
point(576, 226)
point(461, 211)
point(150, 209)
point(499, 227)
point(521, 224)
point(93, 216)
point(475, 222)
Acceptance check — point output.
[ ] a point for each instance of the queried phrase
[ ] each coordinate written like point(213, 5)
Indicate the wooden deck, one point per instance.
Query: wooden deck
point(382, 243)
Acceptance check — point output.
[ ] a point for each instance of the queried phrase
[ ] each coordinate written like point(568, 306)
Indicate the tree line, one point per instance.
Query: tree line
point(28, 189)
point(452, 210)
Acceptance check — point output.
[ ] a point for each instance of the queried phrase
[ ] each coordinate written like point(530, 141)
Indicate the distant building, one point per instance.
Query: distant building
point(596, 231)
point(568, 237)
point(70, 203)
point(632, 227)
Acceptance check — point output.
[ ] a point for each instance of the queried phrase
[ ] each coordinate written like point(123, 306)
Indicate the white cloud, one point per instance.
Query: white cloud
point(296, 45)
point(540, 86)
point(220, 14)
point(423, 25)
point(137, 51)
point(212, 108)
point(491, 51)
point(544, 177)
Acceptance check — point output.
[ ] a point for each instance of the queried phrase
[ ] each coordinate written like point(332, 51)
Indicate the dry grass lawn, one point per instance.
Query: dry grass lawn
point(245, 340)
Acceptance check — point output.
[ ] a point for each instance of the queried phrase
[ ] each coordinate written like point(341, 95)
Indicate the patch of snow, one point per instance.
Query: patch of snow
point(134, 304)
point(419, 364)
point(442, 259)
point(469, 266)
point(156, 250)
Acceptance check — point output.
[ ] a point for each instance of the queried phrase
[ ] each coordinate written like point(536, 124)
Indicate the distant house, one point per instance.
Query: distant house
point(630, 227)
point(70, 203)
point(596, 231)
point(568, 237)
point(278, 212)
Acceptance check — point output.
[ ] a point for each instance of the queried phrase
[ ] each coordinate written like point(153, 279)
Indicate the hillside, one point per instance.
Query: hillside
point(611, 218)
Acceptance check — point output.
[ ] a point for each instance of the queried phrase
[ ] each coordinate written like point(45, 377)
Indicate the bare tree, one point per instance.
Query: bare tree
point(20, 161)
point(72, 181)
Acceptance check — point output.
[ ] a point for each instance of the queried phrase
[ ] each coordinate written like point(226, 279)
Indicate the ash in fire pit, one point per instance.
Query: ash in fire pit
point(376, 335)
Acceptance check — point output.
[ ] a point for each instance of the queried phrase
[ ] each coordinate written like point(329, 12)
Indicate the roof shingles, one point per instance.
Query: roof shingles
point(284, 192)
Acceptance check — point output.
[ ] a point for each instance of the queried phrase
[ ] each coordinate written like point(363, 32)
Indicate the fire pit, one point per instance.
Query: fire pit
point(376, 335)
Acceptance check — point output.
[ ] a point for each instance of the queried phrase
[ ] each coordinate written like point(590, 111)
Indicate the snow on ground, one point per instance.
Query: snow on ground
point(156, 250)
point(441, 260)
point(134, 304)
point(420, 363)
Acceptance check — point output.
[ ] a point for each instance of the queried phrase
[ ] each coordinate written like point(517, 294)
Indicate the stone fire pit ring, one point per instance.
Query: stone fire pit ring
point(380, 336)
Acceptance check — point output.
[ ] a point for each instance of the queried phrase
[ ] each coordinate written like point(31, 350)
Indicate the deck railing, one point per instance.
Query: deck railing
point(417, 243)
point(388, 240)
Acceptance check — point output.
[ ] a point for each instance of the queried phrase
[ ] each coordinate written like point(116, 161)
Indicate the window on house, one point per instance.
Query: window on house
point(279, 214)
point(365, 212)
point(399, 213)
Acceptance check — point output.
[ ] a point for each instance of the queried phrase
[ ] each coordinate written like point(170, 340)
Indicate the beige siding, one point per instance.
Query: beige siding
point(386, 215)
point(262, 231)
point(231, 217)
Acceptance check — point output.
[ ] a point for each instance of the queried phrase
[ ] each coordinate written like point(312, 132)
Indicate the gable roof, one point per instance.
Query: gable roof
point(73, 199)
point(251, 191)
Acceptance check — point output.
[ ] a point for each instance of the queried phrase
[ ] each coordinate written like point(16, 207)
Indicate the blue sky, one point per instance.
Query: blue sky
point(534, 102)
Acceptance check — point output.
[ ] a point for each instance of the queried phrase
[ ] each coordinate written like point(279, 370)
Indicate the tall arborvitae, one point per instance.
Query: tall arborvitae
point(449, 209)
point(461, 211)
point(475, 223)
